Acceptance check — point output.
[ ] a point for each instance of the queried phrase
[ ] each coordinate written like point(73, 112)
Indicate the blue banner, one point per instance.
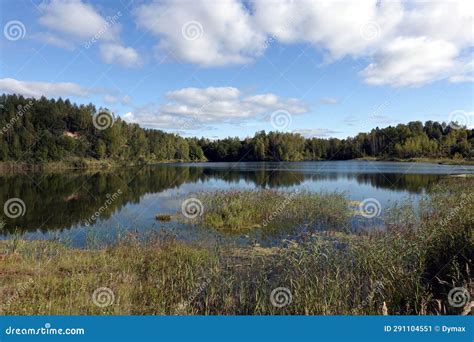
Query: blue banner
point(237, 328)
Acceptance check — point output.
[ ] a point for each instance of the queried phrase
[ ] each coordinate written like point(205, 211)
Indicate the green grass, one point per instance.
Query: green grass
point(408, 269)
point(241, 210)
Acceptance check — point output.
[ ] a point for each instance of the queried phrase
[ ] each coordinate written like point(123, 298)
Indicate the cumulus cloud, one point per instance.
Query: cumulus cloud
point(315, 132)
point(116, 53)
point(402, 40)
point(412, 61)
point(339, 27)
point(74, 22)
point(193, 108)
point(53, 40)
point(74, 18)
point(38, 89)
point(208, 33)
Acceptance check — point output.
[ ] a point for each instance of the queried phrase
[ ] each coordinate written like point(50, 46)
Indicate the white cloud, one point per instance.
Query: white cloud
point(74, 22)
point(54, 40)
point(75, 19)
point(390, 33)
point(208, 33)
point(116, 53)
point(38, 89)
point(412, 43)
point(334, 26)
point(315, 132)
point(200, 96)
point(193, 108)
point(412, 61)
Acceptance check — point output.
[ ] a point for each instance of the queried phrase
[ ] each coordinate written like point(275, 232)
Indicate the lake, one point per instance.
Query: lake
point(97, 205)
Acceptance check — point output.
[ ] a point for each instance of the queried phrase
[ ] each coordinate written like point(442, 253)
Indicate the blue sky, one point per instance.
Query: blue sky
point(227, 68)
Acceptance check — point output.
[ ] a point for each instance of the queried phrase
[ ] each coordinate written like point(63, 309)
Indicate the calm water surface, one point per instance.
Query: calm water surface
point(59, 204)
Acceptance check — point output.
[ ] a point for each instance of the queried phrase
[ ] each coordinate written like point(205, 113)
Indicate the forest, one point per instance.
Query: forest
point(42, 130)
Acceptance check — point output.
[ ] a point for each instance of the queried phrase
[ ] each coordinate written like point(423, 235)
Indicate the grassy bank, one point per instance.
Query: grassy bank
point(408, 269)
point(95, 164)
point(76, 164)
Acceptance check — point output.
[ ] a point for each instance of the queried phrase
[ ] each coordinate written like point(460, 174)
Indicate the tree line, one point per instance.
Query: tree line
point(42, 130)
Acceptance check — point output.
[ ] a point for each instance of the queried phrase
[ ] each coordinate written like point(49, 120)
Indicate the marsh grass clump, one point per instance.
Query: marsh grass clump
point(240, 210)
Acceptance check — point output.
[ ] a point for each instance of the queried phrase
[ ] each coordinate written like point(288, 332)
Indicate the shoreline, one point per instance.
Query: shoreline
point(98, 165)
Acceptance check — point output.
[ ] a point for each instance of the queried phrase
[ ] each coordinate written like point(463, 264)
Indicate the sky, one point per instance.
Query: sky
point(230, 68)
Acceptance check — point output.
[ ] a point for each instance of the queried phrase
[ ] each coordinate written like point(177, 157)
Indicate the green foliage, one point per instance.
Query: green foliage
point(433, 140)
point(42, 130)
